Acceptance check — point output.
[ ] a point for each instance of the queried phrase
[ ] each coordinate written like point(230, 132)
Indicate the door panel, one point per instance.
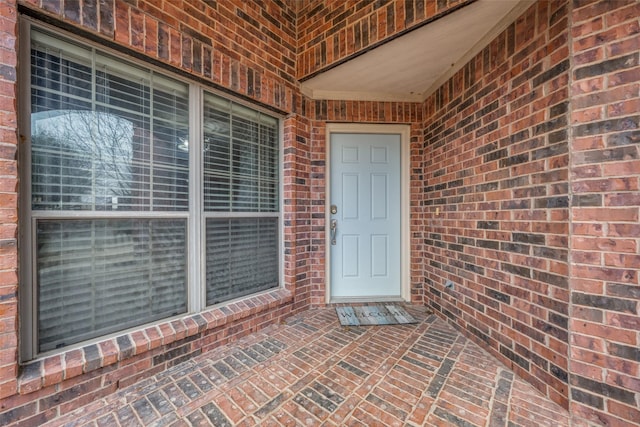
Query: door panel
point(379, 256)
point(351, 189)
point(379, 196)
point(365, 188)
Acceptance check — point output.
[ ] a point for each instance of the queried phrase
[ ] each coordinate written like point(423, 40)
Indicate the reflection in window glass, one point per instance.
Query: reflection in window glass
point(108, 145)
point(104, 139)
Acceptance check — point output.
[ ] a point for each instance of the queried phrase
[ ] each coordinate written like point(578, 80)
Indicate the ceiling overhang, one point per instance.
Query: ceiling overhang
point(410, 67)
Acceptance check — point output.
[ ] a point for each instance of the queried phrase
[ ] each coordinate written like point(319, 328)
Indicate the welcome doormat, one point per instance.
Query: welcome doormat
point(373, 315)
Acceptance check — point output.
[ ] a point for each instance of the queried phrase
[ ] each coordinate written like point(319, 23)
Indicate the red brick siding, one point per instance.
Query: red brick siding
point(297, 209)
point(605, 213)
point(322, 112)
point(495, 196)
point(8, 201)
point(248, 47)
point(331, 31)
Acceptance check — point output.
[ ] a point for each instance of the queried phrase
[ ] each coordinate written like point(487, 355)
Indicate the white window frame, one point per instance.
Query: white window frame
point(196, 216)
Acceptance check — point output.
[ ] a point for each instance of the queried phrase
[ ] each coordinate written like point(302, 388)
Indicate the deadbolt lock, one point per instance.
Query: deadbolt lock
point(334, 209)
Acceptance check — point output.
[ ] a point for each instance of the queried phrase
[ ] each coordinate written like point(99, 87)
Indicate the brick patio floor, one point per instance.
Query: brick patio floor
point(311, 371)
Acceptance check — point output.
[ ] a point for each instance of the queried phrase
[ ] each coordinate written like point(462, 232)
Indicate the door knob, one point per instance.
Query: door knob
point(334, 230)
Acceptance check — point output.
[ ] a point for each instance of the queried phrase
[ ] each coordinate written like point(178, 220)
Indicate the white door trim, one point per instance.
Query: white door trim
point(405, 166)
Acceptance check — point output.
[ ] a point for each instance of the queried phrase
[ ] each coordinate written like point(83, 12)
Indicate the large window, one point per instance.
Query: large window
point(122, 194)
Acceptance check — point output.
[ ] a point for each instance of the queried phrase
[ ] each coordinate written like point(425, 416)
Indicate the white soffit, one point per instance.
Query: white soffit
point(412, 66)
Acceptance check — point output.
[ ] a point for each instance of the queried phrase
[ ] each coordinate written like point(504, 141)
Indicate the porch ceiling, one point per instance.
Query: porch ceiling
point(412, 66)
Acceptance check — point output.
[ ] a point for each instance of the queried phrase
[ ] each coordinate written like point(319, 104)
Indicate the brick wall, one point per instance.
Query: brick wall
point(246, 47)
point(8, 201)
point(605, 213)
point(330, 32)
point(495, 198)
point(297, 212)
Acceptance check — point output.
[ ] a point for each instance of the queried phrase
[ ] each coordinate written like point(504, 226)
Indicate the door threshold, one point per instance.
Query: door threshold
point(370, 300)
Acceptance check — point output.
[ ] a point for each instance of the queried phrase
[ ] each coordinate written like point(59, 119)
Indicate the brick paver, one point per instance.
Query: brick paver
point(312, 371)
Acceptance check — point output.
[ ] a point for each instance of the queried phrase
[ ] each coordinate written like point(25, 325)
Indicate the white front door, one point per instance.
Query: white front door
point(365, 216)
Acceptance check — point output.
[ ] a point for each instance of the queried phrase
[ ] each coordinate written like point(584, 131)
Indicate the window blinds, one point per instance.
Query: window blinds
point(101, 276)
point(104, 139)
point(240, 158)
point(242, 257)
point(240, 173)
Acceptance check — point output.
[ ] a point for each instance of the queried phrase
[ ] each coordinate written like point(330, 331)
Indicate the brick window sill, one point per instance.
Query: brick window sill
point(55, 369)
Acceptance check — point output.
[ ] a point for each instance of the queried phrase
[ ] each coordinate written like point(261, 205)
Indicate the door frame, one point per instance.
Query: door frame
point(405, 236)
